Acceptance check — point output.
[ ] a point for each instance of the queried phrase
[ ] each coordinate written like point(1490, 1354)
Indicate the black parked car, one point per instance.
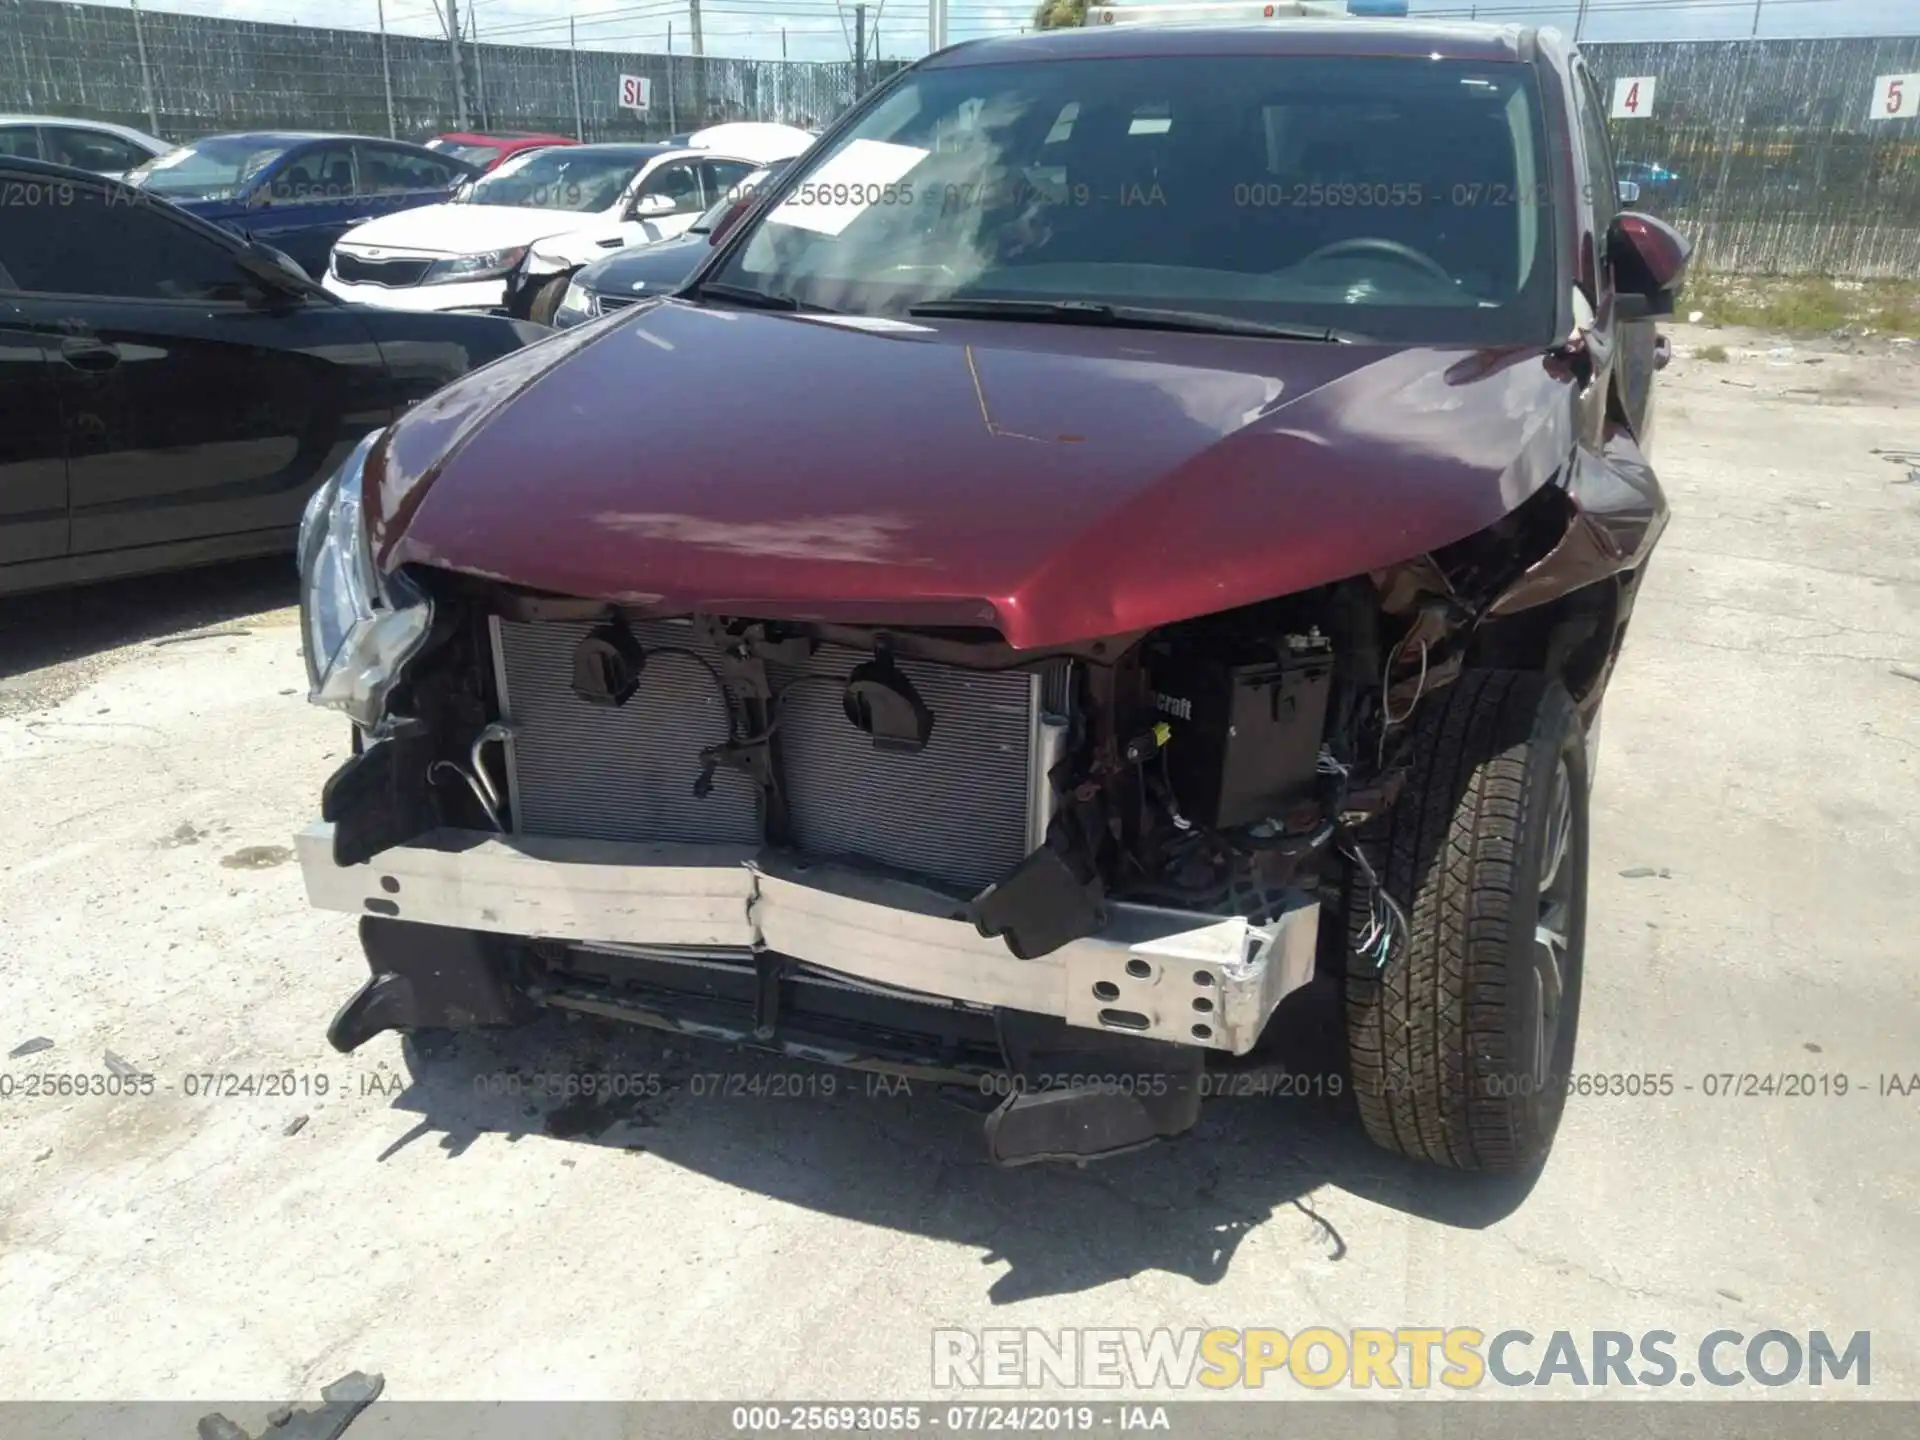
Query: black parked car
point(642, 271)
point(171, 394)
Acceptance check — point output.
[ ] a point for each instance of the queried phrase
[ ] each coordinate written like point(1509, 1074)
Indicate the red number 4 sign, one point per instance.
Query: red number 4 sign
point(1632, 97)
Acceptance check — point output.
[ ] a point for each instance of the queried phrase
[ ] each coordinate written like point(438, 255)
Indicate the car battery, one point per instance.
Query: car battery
point(1246, 728)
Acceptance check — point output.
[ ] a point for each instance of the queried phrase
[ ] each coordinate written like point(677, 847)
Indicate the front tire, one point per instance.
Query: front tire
point(1461, 1044)
point(545, 302)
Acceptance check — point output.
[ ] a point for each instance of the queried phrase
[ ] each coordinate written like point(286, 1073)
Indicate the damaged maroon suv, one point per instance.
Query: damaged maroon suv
point(1135, 520)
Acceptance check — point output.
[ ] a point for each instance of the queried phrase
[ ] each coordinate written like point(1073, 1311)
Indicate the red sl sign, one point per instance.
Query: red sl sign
point(636, 92)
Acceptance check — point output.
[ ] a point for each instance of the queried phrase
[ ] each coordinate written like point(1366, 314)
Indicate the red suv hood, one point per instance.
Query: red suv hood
point(1054, 483)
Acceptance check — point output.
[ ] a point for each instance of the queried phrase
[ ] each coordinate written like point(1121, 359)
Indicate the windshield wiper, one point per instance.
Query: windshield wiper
point(1130, 317)
point(758, 299)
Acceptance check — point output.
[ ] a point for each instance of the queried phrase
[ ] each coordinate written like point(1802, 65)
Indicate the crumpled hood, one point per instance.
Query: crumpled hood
point(1055, 483)
point(466, 229)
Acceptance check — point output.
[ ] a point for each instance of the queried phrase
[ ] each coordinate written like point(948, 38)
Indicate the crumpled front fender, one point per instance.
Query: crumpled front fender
point(1619, 512)
point(558, 254)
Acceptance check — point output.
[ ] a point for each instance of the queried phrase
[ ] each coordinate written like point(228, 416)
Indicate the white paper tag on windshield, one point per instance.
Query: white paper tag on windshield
point(876, 324)
point(863, 175)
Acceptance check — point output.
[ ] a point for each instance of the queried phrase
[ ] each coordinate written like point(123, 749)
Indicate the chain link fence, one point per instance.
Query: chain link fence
point(187, 75)
point(1763, 151)
point(1776, 156)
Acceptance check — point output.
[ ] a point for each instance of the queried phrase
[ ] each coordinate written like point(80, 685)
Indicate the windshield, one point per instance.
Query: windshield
point(480, 155)
point(1391, 198)
point(216, 169)
point(561, 179)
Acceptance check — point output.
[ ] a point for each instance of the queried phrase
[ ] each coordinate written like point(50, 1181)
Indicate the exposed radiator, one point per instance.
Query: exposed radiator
point(616, 774)
point(964, 810)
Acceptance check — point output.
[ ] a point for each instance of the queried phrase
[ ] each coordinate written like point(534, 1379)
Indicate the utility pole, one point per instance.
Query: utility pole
point(699, 66)
point(452, 21)
point(573, 63)
point(146, 74)
point(1578, 21)
point(859, 51)
point(479, 70)
point(673, 111)
point(783, 42)
point(386, 70)
point(936, 25)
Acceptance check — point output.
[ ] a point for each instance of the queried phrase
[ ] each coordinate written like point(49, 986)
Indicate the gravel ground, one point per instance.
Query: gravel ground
point(1756, 891)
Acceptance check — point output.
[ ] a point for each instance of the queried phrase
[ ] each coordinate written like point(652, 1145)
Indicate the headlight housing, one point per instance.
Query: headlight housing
point(490, 265)
point(360, 628)
point(576, 305)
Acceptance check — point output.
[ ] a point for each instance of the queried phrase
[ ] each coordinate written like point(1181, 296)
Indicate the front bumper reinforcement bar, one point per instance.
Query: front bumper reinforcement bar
point(1158, 974)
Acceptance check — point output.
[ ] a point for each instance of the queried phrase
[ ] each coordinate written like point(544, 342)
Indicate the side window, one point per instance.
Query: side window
point(721, 176)
point(1593, 124)
point(90, 149)
point(386, 170)
point(313, 175)
point(679, 181)
point(21, 141)
point(82, 240)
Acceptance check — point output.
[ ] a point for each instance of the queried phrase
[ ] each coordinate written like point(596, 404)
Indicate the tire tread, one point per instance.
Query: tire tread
point(1426, 1035)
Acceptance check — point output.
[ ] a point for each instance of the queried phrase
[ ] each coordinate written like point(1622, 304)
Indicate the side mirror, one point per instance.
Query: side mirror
point(1629, 192)
point(651, 206)
point(1649, 262)
point(276, 272)
point(727, 221)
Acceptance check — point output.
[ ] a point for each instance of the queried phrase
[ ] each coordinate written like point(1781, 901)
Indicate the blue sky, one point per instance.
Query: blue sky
point(819, 29)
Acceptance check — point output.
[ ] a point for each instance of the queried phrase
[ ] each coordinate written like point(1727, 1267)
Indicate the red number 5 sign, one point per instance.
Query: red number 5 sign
point(1632, 97)
point(1895, 96)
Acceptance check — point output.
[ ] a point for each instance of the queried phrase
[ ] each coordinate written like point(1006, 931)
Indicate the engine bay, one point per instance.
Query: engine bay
point(1212, 766)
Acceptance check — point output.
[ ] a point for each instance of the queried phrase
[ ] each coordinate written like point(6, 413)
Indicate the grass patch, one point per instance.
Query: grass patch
point(1805, 305)
point(1715, 353)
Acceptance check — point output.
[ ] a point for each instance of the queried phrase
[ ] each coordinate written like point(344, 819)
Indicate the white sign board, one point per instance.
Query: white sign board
point(1633, 97)
point(636, 93)
point(1895, 96)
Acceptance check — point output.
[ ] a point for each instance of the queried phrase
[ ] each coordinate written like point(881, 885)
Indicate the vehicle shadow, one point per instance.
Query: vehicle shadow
point(911, 1158)
point(52, 627)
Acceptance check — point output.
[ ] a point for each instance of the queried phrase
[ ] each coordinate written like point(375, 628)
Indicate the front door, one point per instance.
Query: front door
point(667, 200)
point(33, 463)
point(1633, 341)
point(194, 405)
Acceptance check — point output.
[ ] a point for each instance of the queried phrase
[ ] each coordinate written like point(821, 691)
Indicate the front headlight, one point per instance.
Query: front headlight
point(576, 305)
point(488, 266)
point(360, 628)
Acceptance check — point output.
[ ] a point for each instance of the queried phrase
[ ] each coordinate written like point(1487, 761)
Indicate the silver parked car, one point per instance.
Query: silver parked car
point(96, 145)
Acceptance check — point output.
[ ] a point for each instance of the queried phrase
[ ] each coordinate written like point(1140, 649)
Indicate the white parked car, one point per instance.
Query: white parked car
point(515, 235)
point(92, 145)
